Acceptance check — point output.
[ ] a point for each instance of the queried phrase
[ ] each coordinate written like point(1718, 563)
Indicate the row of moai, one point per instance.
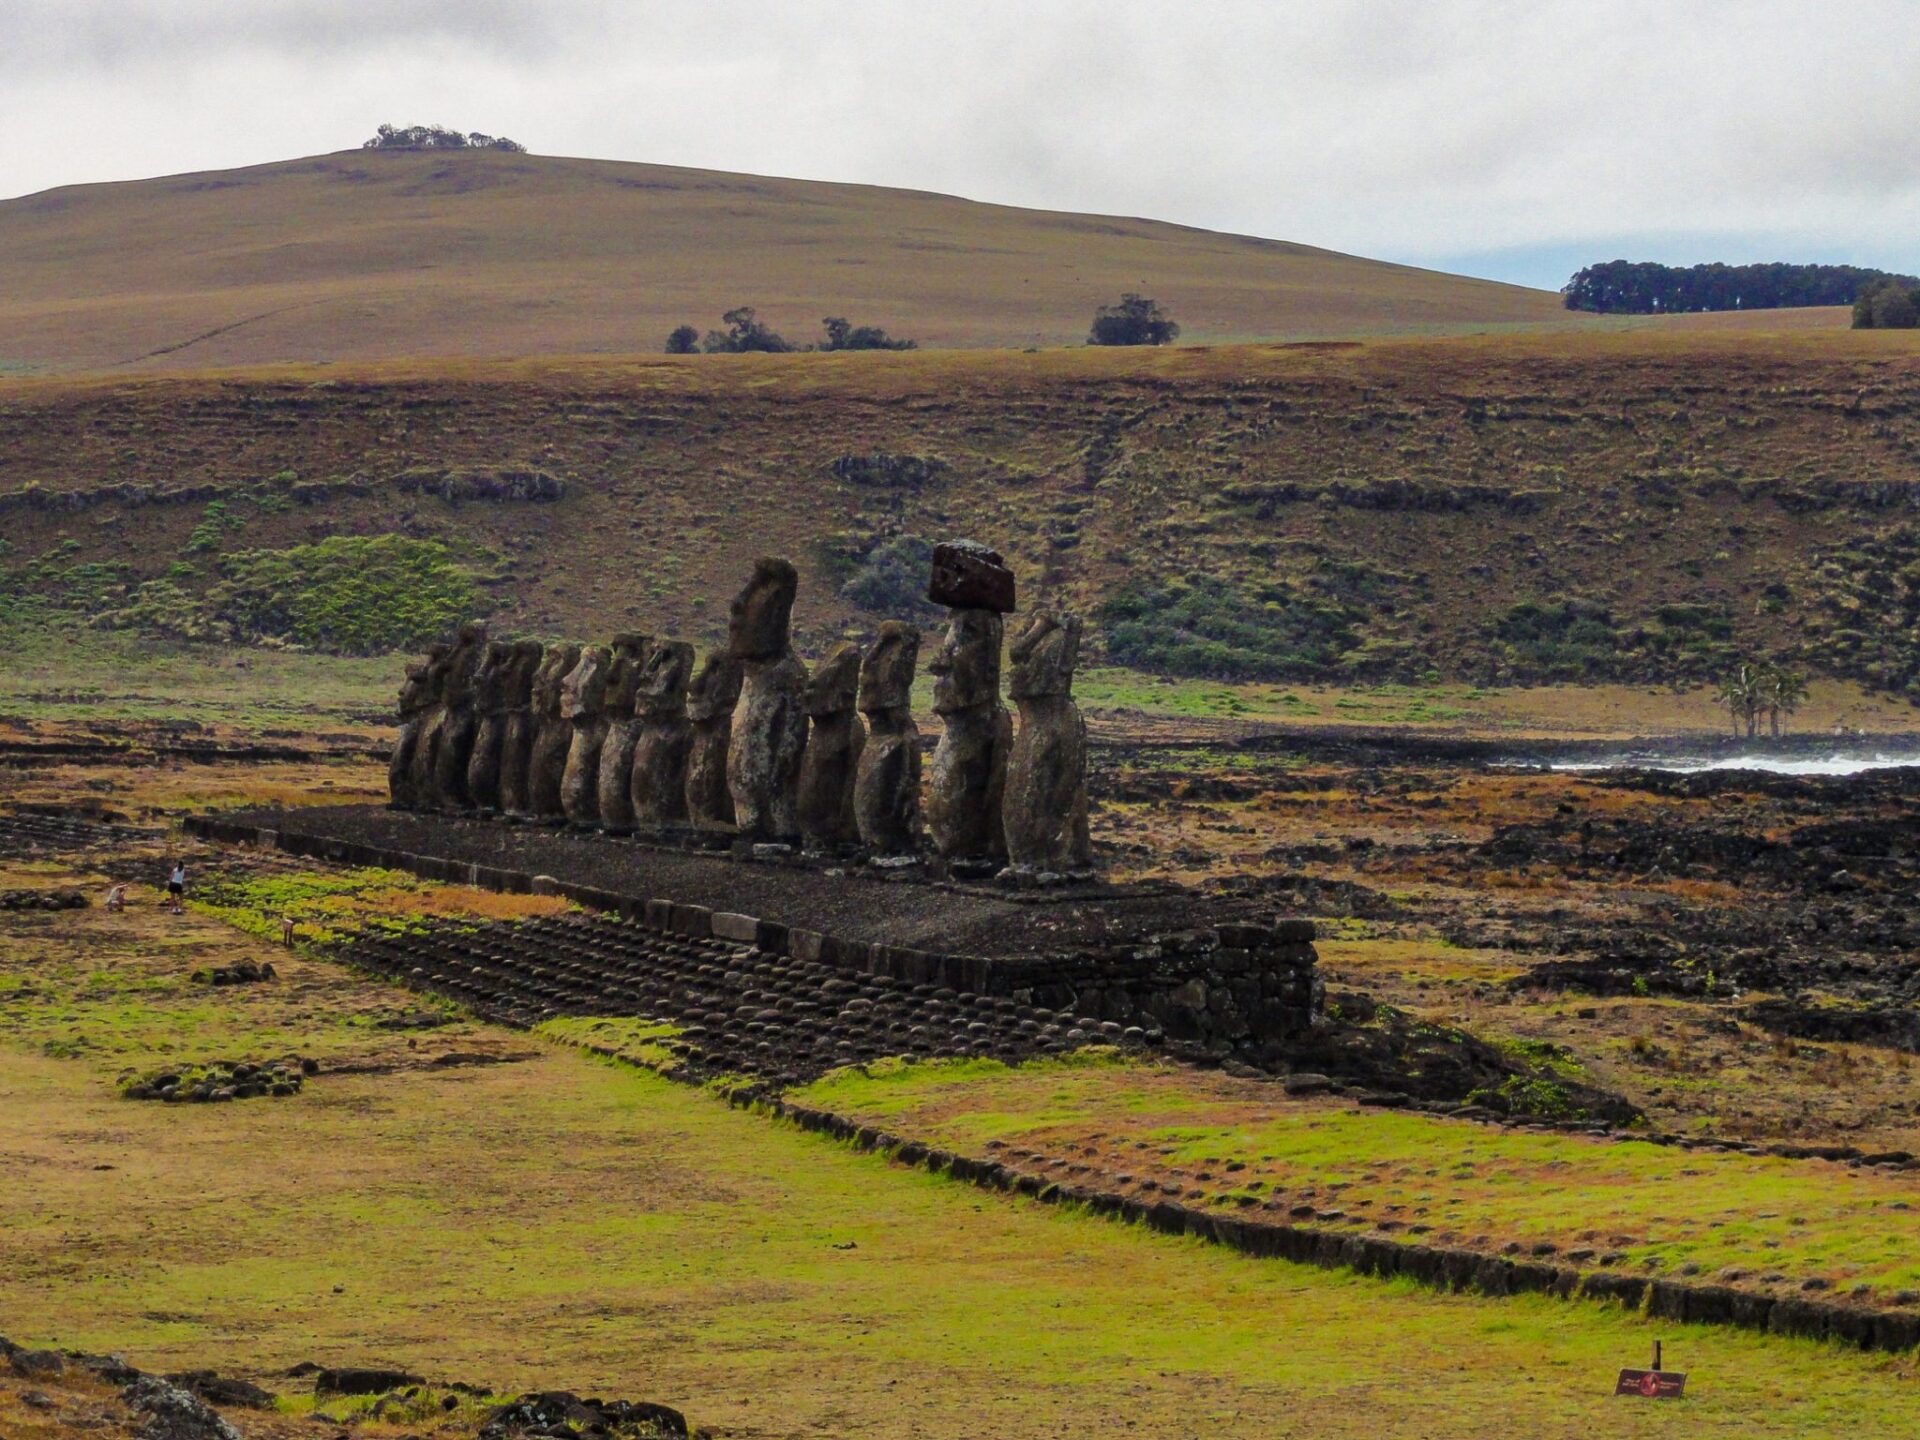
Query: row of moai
point(628, 738)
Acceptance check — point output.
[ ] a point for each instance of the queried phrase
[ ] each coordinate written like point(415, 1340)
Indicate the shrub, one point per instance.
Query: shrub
point(1559, 640)
point(744, 333)
point(1206, 627)
point(843, 335)
point(1136, 320)
point(891, 578)
point(685, 340)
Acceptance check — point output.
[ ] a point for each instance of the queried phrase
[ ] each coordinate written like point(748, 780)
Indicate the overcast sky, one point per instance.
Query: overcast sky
point(1511, 138)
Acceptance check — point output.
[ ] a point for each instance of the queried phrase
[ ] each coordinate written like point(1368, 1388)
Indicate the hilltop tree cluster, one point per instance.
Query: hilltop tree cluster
point(437, 137)
point(1136, 320)
point(1625, 287)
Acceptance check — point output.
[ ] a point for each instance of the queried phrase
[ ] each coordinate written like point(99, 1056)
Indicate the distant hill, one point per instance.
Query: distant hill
point(378, 254)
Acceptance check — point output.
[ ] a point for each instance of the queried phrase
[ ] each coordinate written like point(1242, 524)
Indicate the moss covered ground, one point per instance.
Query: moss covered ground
point(552, 1218)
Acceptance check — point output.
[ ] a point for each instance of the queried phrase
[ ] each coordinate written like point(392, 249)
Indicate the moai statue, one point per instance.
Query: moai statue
point(453, 745)
point(417, 700)
point(770, 726)
point(584, 703)
point(552, 736)
point(1046, 804)
point(970, 762)
point(657, 782)
point(710, 705)
point(516, 745)
point(614, 798)
point(490, 681)
point(886, 787)
point(834, 742)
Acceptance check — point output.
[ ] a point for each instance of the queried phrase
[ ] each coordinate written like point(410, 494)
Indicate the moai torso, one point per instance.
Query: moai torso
point(553, 733)
point(614, 800)
point(711, 701)
point(417, 700)
point(657, 778)
point(886, 787)
point(584, 704)
point(516, 744)
point(770, 725)
point(835, 738)
point(1046, 801)
point(453, 744)
point(491, 683)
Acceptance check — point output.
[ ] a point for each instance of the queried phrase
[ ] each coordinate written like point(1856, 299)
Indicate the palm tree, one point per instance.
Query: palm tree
point(1783, 691)
point(1740, 693)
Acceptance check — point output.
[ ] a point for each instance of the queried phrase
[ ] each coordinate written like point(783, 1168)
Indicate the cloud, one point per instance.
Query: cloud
point(1418, 131)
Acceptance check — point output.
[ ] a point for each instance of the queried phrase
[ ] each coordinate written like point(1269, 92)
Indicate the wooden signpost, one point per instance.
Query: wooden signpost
point(1654, 1384)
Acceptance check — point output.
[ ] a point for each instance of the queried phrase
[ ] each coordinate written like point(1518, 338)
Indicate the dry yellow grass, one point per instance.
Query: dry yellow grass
point(357, 255)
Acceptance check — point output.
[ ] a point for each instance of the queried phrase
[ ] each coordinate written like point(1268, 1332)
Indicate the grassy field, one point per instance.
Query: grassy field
point(546, 1219)
point(357, 255)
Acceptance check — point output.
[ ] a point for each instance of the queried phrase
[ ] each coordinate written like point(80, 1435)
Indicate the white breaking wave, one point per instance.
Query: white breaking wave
point(1773, 765)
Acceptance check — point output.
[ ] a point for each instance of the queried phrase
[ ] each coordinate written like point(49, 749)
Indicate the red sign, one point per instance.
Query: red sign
point(1652, 1384)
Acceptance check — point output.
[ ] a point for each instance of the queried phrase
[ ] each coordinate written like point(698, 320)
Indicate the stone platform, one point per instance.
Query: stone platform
point(1215, 977)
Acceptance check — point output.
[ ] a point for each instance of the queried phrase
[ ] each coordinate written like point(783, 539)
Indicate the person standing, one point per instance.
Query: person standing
point(177, 888)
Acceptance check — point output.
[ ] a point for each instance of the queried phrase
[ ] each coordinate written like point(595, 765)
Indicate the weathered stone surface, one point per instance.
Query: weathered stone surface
point(584, 705)
point(168, 1412)
point(711, 700)
point(553, 732)
point(970, 576)
point(1046, 799)
point(516, 744)
point(614, 791)
point(657, 778)
point(770, 725)
point(886, 791)
point(417, 700)
point(832, 759)
point(970, 762)
point(490, 682)
point(453, 742)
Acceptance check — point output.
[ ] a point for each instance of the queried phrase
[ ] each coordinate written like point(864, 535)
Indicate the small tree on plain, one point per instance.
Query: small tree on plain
point(685, 340)
point(744, 333)
point(1136, 320)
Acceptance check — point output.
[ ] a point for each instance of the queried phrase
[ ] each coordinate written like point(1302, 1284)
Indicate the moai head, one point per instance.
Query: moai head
point(1044, 654)
point(716, 689)
point(966, 667)
point(835, 682)
point(886, 674)
point(623, 674)
point(584, 691)
point(416, 691)
point(490, 677)
point(762, 611)
point(521, 671)
point(549, 681)
point(463, 662)
point(662, 686)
